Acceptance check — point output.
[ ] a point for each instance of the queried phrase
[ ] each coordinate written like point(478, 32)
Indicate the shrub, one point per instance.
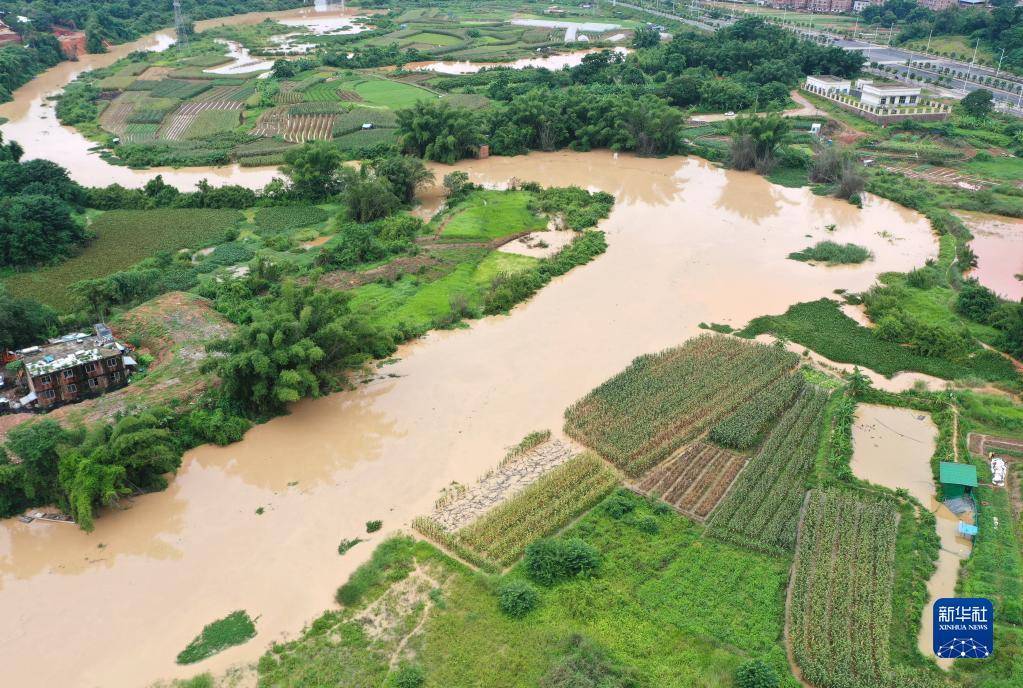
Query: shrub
point(551, 560)
point(587, 665)
point(618, 505)
point(407, 676)
point(832, 253)
point(347, 544)
point(517, 598)
point(648, 524)
point(234, 629)
point(374, 526)
point(755, 674)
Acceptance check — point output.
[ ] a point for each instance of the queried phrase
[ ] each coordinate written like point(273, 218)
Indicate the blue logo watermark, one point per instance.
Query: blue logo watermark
point(964, 628)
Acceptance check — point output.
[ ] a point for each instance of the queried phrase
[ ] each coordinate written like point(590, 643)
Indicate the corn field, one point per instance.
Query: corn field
point(744, 428)
point(500, 536)
point(644, 414)
point(762, 508)
point(841, 604)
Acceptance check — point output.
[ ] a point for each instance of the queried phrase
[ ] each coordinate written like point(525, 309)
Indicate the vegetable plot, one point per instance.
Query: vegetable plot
point(644, 414)
point(694, 480)
point(841, 605)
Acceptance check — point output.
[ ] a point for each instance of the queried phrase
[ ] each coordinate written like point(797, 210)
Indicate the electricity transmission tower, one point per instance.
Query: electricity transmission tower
point(179, 24)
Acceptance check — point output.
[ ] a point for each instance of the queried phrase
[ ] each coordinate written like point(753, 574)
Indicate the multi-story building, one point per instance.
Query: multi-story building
point(72, 367)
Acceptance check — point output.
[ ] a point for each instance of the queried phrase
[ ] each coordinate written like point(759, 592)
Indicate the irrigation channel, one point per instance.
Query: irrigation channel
point(688, 242)
point(893, 447)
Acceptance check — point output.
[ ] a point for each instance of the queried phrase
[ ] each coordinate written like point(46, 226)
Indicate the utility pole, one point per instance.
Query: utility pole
point(891, 31)
point(1000, 62)
point(928, 48)
point(974, 60)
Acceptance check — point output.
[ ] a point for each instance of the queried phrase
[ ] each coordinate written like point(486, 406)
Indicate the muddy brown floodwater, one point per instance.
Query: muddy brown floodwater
point(687, 242)
point(998, 243)
point(893, 447)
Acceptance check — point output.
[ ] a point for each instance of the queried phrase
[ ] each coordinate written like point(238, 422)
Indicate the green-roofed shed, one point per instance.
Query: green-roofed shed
point(957, 479)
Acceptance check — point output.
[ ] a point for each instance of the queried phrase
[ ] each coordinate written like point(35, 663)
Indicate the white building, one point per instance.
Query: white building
point(888, 95)
point(826, 83)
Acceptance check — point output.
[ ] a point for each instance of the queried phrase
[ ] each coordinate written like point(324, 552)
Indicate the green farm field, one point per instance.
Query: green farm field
point(491, 215)
point(648, 606)
point(123, 238)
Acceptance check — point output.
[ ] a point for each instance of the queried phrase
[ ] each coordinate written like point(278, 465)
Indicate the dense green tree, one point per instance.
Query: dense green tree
point(976, 302)
point(406, 175)
point(36, 229)
point(646, 37)
point(315, 170)
point(436, 131)
point(368, 198)
point(755, 140)
point(24, 322)
point(38, 445)
point(979, 103)
point(292, 348)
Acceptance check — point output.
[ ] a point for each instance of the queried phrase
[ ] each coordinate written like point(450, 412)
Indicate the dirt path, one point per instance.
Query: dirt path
point(793, 667)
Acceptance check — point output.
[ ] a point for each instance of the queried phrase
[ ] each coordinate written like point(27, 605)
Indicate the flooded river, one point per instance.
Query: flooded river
point(552, 62)
point(687, 242)
point(893, 448)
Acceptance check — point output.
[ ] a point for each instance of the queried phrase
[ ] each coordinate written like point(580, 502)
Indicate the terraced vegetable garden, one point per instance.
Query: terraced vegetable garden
point(644, 414)
point(841, 596)
point(500, 536)
point(762, 508)
point(694, 480)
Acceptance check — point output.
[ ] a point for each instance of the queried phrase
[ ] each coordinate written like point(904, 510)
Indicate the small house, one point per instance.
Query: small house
point(826, 83)
point(73, 367)
point(957, 479)
point(888, 95)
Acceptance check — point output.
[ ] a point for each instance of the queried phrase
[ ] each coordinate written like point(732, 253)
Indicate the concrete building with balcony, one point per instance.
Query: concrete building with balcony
point(73, 367)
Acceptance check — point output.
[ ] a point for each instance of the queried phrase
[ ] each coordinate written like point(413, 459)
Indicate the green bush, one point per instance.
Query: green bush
point(517, 597)
point(374, 526)
point(618, 505)
point(832, 253)
point(554, 559)
point(588, 665)
point(234, 629)
point(755, 674)
point(648, 524)
point(407, 676)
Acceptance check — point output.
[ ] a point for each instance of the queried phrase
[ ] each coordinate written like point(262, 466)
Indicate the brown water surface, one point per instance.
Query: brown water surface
point(893, 447)
point(998, 243)
point(687, 242)
point(552, 62)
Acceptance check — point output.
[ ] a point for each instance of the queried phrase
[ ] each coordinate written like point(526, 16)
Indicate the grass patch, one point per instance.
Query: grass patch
point(234, 629)
point(832, 253)
point(791, 177)
point(672, 608)
point(489, 215)
point(822, 327)
point(123, 238)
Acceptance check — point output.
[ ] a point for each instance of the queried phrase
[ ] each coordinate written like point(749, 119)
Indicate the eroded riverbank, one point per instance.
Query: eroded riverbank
point(687, 242)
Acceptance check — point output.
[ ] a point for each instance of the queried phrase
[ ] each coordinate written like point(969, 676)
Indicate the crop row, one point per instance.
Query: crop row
point(744, 428)
point(195, 107)
point(140, 133)
point(302, 128)
point(211, 122)
point(174, 88)
point(694, 480)
point(840, 610)
point(645, 413)
point(543, 508)
point(762, 509)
